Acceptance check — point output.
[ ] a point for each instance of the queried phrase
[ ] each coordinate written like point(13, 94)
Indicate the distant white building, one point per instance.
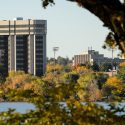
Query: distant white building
point(92, 56)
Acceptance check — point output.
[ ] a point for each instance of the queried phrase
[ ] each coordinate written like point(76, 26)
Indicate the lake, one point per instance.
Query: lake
point(21, 107)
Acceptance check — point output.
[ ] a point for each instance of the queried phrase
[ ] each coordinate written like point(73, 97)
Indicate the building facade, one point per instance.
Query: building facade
point(23, 45)
point(92, 56)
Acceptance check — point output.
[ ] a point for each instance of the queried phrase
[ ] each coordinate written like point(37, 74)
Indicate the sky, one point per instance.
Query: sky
point(69, 27)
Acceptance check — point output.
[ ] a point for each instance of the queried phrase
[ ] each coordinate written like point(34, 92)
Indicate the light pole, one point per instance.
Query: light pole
point(112, 60)
point(55, 49)
point(113, 48)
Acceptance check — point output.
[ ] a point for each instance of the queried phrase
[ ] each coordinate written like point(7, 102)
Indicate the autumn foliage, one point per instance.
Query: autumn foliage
point(61, 97)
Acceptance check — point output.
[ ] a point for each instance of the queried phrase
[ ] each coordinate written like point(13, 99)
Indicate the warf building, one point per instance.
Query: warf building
point(23, 45)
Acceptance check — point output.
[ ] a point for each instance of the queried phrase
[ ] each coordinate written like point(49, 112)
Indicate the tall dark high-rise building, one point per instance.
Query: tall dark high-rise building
point(23, 45)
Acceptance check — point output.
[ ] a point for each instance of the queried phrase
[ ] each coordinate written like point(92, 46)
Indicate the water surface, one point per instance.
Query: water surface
point(21, 107)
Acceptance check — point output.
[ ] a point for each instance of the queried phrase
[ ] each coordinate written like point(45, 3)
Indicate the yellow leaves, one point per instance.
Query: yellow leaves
point(122, 64)
point(113, 81)
point(28, 86)
point(73, 103)
point(81, 94)
point(85, 79)
point(77, 104)
point(1, 92)
point(13, 73)
point(5, 114)
point(81, 69)
point(52, 68)
point(59, 96)
point(48, 77)
point(21, 81)
point(89, 108)
point(87, 88)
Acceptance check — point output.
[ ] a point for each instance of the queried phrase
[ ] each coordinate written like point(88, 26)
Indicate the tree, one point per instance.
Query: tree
point(52, 68)
point(71, 77)
point(105, 67)
point(19, 85)
point(114, 87)
point(101, 78)
point(88, 89)
point(62, 61)
point(81, 69)
point(95, 66)
point(121, 71)
point(110, 12)
point(58, 103)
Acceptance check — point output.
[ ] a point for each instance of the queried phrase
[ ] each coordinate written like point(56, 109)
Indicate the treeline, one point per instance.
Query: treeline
point(60, 93)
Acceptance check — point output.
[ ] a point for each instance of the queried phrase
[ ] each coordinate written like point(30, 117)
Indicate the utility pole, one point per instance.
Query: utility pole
point(112, 60)
point(113, 48)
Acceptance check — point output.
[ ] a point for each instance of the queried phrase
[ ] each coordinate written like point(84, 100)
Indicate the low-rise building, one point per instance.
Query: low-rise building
point(92, 56)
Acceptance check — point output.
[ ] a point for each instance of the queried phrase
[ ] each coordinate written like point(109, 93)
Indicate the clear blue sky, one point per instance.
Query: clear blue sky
point(71, 28)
